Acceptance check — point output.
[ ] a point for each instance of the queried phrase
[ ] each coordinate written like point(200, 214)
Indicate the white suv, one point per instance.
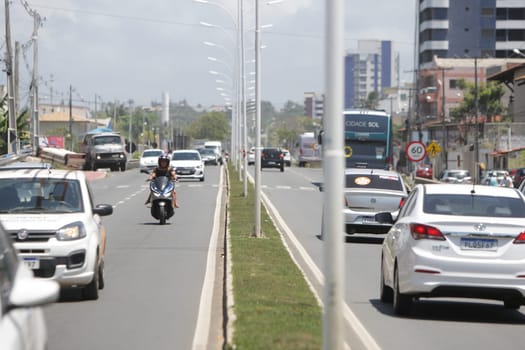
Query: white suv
point(56, 228)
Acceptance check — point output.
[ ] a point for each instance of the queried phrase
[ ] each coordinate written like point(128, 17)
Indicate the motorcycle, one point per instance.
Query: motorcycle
point(161, 189)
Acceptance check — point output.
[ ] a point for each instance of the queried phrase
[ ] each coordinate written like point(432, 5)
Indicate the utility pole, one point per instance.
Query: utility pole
point(35, 118)
point(11, 97)
point(70, 118)
point(476, 131)
point(17, 75)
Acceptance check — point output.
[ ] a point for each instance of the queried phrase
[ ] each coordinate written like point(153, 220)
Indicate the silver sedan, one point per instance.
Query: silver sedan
point(461, 241)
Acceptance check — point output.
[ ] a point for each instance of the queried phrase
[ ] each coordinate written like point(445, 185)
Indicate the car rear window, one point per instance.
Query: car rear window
point(386, 182)
point(474, 205)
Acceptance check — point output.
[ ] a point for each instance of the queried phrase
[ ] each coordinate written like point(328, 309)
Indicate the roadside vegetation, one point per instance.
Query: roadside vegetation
point(273, 305)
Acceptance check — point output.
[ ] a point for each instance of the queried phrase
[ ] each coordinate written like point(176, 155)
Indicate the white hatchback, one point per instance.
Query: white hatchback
point(149, 159)
point(56, 228)
point(453, 240)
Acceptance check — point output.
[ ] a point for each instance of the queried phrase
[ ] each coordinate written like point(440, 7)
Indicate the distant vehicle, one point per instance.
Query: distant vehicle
point(455, 176)
point(497, 173)
point(217, 147)
point(287, 157)
point(104, 150)
point(368, 139)
point(272, 157)
point(188, 164)
point(455, 241)
point(251, 156)
point(55, 226)
point(424, 171)
point(368, 192)
point(517, 176)
point(22, 323)
point(308, 149)
point(149, 159)
point(209, 156)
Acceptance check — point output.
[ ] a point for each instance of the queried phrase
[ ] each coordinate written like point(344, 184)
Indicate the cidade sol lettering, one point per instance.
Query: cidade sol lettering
point(361, 124)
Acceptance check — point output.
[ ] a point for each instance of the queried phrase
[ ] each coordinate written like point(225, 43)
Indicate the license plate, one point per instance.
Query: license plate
point(185, 172)
point(32, 263)
point(479, 243)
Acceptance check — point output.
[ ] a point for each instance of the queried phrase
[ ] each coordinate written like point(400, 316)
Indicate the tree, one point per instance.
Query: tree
point(489, 100)
point(372, 101)
point(211, 126)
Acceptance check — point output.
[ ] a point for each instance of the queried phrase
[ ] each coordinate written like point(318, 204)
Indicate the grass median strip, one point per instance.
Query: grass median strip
point(274, 307)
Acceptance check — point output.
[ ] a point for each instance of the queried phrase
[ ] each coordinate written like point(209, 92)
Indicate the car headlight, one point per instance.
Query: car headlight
point(71, 232)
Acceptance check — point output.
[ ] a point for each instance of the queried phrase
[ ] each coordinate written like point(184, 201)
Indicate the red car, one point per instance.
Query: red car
point(425, 171)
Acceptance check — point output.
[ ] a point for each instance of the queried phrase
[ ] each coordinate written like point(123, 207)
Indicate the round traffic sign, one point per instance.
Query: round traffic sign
point(416, 151)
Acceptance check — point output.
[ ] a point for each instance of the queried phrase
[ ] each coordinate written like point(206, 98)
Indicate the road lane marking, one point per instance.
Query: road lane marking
point(202, 328)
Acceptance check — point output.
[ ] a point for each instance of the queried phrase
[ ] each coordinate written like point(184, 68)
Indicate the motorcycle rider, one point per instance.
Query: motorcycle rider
point(164, 169)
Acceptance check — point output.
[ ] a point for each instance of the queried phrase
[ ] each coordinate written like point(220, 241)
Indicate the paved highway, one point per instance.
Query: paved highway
point(154, 274)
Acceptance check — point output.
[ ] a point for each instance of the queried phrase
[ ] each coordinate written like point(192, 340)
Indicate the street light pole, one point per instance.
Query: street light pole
point(257, 165)
point(476, 111)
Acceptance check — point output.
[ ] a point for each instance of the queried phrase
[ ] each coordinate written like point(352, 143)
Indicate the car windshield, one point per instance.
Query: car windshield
point(474, 205)
point(373, 181)
point(207, 152)
point(151, 153)
point(185, 156)
point(458, 174)
point(40, 195)
point(104, 140)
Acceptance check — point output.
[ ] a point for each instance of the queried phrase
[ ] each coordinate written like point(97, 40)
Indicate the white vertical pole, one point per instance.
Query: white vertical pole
point(257, 164)
point(333, 167)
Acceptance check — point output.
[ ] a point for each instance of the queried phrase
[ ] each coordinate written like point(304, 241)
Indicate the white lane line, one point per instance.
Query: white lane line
point(349, 316)
point(202, 328)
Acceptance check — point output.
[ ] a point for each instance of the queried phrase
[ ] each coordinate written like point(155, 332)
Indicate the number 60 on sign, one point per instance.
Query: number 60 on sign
point(416, 151)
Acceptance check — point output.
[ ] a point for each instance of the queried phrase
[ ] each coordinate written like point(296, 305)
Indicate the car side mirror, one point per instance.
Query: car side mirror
point(103, 209)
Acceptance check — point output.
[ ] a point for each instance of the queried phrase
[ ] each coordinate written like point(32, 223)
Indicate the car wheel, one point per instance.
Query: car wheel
point(402, 302)
point(90, 291)
point(101, 281)
point(385, 292)
point(201, 179)
point(123, 167)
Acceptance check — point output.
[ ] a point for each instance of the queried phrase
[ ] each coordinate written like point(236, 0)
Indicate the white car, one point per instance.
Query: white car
point(455, 240)
point(287, 157)
point(22, 323)
point(368, 192)
point(188, 164)
point(251, 156)
point(55, 226)
point(149, 159)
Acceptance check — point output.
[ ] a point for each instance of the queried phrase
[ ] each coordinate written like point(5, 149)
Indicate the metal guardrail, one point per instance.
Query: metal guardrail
point(63, 156)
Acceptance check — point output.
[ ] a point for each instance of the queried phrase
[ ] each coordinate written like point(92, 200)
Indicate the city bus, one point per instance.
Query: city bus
point(367, 139)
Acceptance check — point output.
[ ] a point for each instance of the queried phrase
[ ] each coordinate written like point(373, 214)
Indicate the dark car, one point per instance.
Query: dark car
point(517, 176)
point(272, 157)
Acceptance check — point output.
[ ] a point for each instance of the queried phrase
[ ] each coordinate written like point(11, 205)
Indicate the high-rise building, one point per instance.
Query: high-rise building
point(371, 68)
point(470, 28)
point(313, 105)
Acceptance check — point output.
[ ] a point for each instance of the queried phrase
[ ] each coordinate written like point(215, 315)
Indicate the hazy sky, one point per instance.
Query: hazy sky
point(122, 50)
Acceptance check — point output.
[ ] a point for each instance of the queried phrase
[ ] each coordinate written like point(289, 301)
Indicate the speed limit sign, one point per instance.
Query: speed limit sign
point(416, 151)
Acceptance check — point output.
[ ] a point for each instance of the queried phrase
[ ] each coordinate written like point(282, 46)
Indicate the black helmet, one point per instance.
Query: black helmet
point(164, 157)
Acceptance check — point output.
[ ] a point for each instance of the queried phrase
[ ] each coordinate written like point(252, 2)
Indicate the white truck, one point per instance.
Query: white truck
point(217, 147)
point(308, 150)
